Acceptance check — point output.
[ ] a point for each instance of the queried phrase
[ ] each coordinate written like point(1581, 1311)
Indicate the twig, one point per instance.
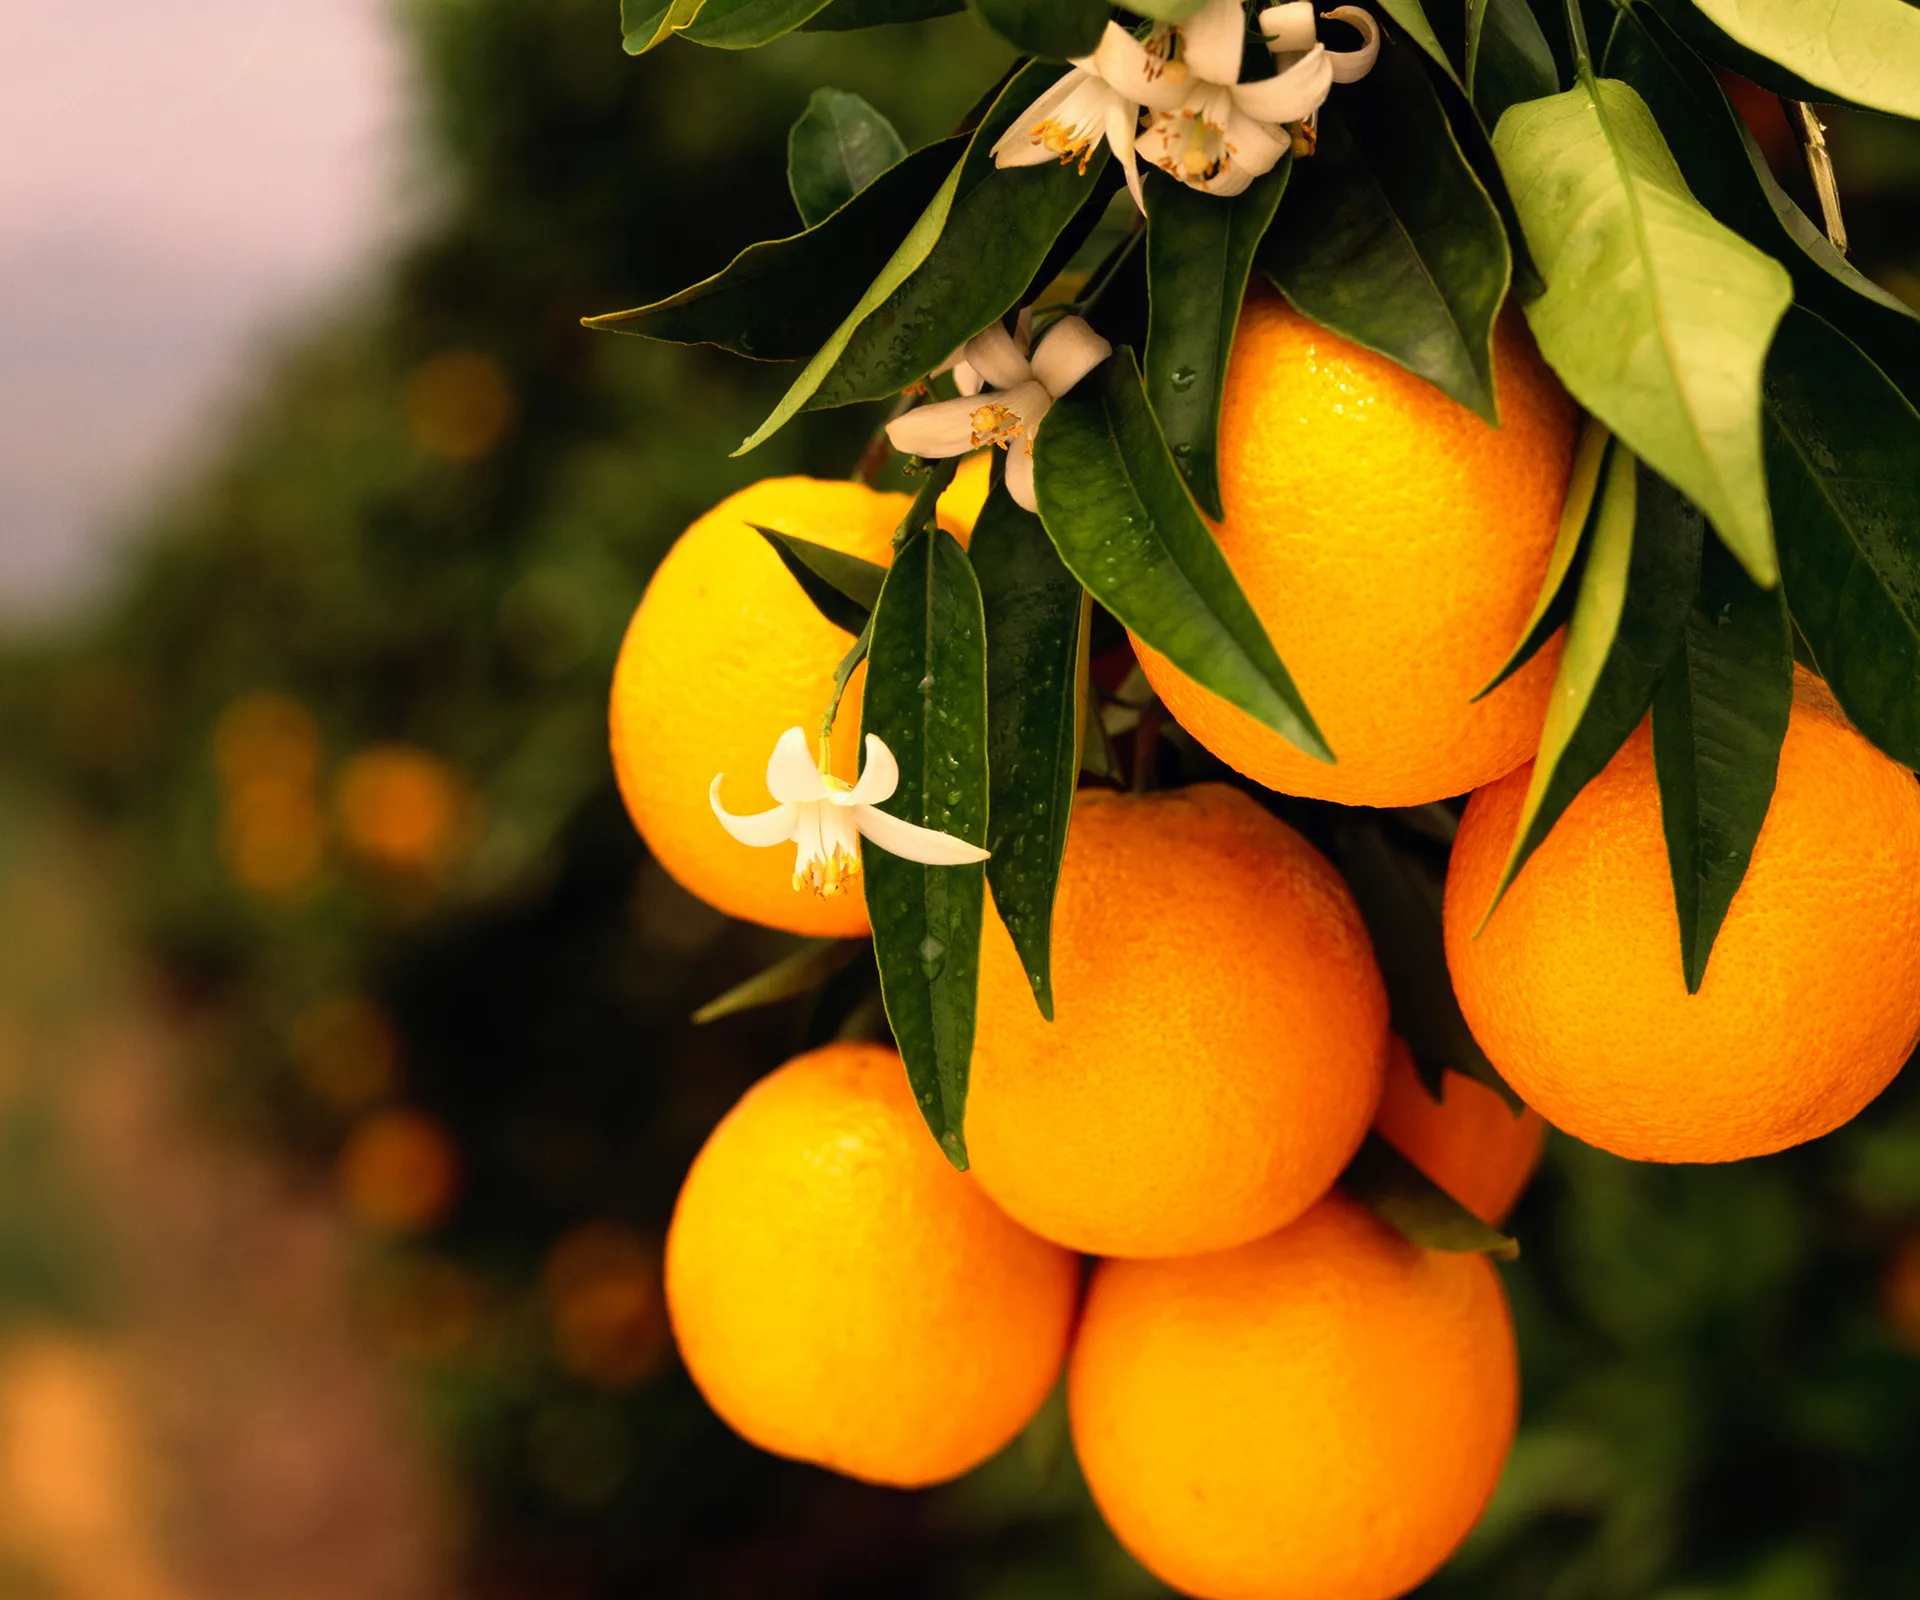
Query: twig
point(1813, 145)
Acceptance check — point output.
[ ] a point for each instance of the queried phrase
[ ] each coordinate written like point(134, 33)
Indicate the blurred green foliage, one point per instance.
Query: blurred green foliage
point(427, 530)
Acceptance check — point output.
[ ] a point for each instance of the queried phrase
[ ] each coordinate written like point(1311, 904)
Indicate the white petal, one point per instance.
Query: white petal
point(1017, 146)
point(791, 775)
point(1123, 126)
point(1068, 353)
point(877, 782)
point(944, 428)
point(993, 354)
point(760, 830)
point(966, 379)
point(1028, 402)
point(1023, 330)
point(1153, 145)
point(1290, 95)
point(913, 843)
point(1257, 148)
point(1212, 39)
point(1020, 477)
point(1139, 75)
point(1289, 26)
point(1350, 65)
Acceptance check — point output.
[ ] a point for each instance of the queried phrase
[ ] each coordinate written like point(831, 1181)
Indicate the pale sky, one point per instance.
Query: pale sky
point(177, 178)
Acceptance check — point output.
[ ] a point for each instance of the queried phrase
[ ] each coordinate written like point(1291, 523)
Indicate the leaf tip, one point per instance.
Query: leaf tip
point(954, 1148)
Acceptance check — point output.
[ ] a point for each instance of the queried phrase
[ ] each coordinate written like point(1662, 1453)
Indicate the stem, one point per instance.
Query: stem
point(1813, 145)
point(1577, 37)
point(841, 674)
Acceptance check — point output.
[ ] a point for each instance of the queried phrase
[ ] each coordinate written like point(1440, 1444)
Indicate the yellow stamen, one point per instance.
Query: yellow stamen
point(830, 875)
point(994, 424)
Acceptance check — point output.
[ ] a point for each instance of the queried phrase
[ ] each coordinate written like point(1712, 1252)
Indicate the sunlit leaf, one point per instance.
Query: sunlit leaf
point(1389, 239)
point(839, 145)
point(1866, 51)
point(1843, 452)
point(746, 24)
point(1199, 255)
point(1636, 589)
point(1117, 511)
point(644, 23)
point(1718, 718)
point(1036, 617)
point(845, 14)
point(1655, 315)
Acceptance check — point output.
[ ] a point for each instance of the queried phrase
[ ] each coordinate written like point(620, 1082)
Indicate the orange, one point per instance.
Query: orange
point(399, 1172)
point(1218, 1036)
point(726, 653)
point(404, 808)
point(841, 1295)
point(1811, 1000)
point(1467, 1141)
point(1394, 545)
point(1319, 1415)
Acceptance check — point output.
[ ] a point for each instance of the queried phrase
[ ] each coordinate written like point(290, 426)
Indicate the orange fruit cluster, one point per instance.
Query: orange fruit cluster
point(1274, 1396)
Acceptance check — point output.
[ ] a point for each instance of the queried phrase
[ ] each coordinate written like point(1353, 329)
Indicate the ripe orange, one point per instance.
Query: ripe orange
point(726, 653)
point(1218, 1036)
point(1468, 1142)
point(1319, 1415)
point(841, 1295)
point(1811, 1000)
point(1394, 545)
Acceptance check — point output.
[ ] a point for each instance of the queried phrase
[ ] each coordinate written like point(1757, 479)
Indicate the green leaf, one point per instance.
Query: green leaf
point(1713, 42)
point(1399, 899)
point(1413, 1205)
point(1411, 19)
point(1843, 454)
point(1036, 615)
point(1555, 602)
point(1389, 239)
point(965, 264)
point(1726, 170)
point(926, 696)
point(1508, 57)
point(838, 147)
point(800, 972)
point(1656, 316)
point(1199, 256)
point(644, 23)
point(842, 15)
point(1120, 516)
point(746, 24)
point(1165, 10)
point(1054, 30)
point(843, 588)
point(776, 301)
point(1866, 51)
point(1635, 592)
point(1718, 718)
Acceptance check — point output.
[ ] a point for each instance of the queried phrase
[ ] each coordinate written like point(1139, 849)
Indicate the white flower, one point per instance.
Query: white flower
point(1226, 133)
point(826, 818)
point(1023, 390)
point(1099, 99)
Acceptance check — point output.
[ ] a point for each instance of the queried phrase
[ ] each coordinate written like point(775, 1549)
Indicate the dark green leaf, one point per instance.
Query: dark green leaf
point(1399, 898)
point(1199, 255)
point(1036, 622)
point(964, 264)
point(1054, 30)
point(644, 23)
point(1120, 516)
point(1635, 593)
point(1655, 315)
point(1166, 10)
point(1725, 168)
point(1555, 602)
point(801, 972)
point(745, 24)
point(1413, 1205)
point(1389, 239)
point(777, 301)
point(1508, 58)
point(1843, 456)
point(838, 147)
point(843, 588)
point(926, 696)
point(845, 14)
point(1411, 19)
point(1718, 718)
point(1866, 51)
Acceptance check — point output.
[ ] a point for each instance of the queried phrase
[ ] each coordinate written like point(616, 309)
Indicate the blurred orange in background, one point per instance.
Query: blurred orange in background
point(266, 751)
point(399, 1172)
point(404, 810)
point(603, 1283)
